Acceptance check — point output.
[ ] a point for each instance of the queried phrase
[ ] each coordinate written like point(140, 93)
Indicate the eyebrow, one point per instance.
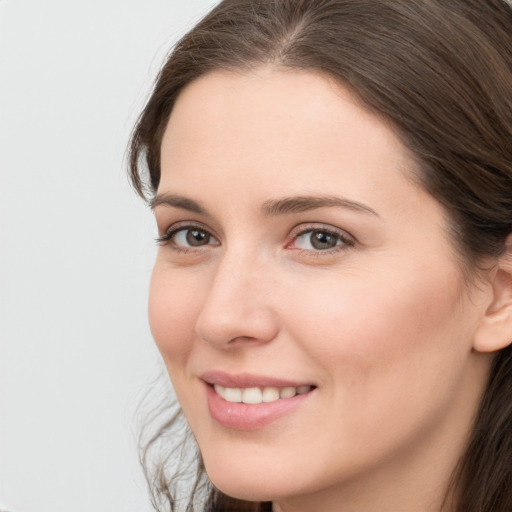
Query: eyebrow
point(177, 202)
point(271, 207)
point(299, 204)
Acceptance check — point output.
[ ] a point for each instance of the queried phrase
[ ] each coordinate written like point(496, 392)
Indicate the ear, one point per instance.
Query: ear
point(495, 329)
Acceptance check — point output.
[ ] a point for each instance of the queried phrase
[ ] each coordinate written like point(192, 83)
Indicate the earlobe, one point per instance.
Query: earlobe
point(495, 329)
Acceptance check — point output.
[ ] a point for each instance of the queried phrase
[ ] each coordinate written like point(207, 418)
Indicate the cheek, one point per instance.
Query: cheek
point(377, 334)
point(392, 355)
point(173, 308)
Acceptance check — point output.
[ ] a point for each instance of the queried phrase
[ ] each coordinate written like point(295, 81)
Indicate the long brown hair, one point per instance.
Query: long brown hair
point(440, 72)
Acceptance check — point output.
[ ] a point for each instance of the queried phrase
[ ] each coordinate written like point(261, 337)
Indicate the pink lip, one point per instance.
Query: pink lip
point(247, 380)
point(240, 416)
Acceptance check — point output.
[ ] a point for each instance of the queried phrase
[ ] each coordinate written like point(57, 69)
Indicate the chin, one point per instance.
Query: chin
point(250, 485)
point(245, 492)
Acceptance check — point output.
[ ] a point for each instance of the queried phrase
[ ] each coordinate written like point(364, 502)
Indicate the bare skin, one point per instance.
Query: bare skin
point(298, 246)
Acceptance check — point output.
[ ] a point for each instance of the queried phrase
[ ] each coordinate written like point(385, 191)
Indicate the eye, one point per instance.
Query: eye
point(188, 237)
point(192, 237)
point(320, 239)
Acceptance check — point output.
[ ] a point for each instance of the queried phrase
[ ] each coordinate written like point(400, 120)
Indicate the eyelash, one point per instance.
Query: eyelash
point(345, 239)
point(170, 234)
point(340, 236)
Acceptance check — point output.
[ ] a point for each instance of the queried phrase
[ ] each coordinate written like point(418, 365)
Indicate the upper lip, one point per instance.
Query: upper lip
point(247, 380)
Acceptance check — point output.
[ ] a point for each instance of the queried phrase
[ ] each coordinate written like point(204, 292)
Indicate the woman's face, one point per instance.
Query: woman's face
point(305, 273)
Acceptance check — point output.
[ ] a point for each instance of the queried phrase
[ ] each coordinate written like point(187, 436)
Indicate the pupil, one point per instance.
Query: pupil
point(321, 240)
point(196, 237)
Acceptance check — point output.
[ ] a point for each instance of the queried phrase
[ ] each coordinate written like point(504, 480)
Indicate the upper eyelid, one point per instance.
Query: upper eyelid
point(176, 226)
point(347, 240)
point(294, 232)
point(169, 233)
point(306, 227)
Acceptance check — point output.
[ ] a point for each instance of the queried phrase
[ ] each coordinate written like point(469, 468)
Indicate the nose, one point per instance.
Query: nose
point(238, 306)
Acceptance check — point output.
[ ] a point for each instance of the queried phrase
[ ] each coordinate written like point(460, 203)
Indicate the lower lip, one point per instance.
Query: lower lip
point(240, 416)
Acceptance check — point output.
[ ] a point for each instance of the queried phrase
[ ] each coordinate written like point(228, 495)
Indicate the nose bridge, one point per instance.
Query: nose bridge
point(238, 304)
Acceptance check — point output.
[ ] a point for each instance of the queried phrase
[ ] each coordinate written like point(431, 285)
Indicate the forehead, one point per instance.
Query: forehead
point(236, 141)
point(275, 121)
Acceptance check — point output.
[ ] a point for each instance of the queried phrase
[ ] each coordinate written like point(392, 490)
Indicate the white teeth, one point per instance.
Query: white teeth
point(288, 392)
point(303, 389)
point(221, 390)
point(252, 396)
point(259, 395)
point(270, 394)
point(233, 394)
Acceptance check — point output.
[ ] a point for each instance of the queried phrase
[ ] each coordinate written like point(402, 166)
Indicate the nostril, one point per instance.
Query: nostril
point(235, 329)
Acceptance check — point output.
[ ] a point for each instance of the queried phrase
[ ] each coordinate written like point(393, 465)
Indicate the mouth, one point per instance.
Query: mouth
point(259, 395)
point(248, 402)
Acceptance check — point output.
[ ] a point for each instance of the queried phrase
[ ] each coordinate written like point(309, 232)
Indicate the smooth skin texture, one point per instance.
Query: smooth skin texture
point(377, 316)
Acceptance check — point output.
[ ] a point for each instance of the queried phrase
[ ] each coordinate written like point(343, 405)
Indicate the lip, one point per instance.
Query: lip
point(248, 380)
point(248, 417)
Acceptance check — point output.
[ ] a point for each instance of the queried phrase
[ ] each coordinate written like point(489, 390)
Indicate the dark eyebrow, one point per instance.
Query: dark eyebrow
point(295, 204)
point(177, 202)
point(299, 204)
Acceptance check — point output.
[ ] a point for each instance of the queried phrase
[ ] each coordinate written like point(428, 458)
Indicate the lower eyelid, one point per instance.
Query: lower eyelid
point(172, 232)
point(344, 241)
point(342, 238)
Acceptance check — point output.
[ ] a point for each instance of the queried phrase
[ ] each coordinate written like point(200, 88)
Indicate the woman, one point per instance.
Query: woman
point(332, 296)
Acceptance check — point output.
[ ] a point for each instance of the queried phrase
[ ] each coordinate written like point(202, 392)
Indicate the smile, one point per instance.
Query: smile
point(251, 402)
point(256, 395)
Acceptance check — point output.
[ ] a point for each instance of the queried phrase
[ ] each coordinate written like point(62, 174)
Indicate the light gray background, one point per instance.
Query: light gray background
point(76, 248)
